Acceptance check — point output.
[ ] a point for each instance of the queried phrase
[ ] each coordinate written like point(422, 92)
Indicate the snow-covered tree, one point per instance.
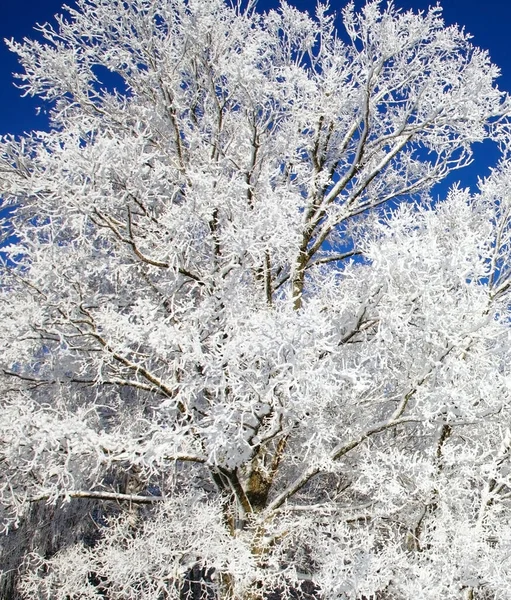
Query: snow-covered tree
point(233, 322)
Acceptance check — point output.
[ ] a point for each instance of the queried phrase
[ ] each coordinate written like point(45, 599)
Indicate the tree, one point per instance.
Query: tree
point(227, 326)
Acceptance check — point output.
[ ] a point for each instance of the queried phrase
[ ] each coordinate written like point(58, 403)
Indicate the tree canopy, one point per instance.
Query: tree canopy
point(244, 354)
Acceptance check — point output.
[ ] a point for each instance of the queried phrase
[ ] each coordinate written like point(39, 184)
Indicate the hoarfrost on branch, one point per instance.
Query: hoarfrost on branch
point(227, 327)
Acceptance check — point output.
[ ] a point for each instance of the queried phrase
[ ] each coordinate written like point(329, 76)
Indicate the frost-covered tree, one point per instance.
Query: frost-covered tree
point(226, 326)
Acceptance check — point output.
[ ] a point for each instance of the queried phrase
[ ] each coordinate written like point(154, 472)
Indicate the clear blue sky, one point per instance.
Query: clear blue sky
point(489, 22)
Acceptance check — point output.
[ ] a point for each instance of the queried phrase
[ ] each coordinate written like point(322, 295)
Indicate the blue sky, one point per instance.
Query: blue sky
point(489, 22)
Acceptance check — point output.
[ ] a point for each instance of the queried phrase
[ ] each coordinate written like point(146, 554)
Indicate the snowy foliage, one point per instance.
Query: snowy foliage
point(234, 321)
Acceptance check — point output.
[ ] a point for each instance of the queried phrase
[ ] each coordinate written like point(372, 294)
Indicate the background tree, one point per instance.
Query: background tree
point(220, 328)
